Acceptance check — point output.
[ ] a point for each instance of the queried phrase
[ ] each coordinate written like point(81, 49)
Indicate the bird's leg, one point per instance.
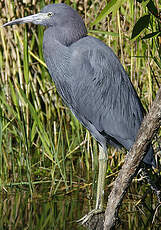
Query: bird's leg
point(101, 178)
point(100, 185)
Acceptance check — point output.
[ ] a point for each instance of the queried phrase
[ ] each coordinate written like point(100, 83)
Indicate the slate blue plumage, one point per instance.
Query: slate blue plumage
point(90, 78)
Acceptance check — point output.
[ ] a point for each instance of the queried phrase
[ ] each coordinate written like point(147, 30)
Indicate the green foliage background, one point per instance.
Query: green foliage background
point(41, 143)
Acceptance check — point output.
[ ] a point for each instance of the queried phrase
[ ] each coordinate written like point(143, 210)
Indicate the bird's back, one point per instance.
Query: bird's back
point(103, 92)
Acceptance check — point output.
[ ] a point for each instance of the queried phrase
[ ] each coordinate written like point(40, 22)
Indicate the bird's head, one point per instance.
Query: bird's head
point(61, 17)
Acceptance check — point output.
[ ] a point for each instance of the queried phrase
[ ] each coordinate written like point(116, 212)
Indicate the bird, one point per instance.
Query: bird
point(92, 83)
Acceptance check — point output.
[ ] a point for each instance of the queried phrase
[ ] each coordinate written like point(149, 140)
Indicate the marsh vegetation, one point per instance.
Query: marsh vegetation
point(48, 161)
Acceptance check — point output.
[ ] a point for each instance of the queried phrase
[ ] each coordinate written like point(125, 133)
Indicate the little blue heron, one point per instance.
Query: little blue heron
point(91, 81)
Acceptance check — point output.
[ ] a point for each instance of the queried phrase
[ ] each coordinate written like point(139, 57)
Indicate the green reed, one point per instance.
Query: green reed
point(40, 140)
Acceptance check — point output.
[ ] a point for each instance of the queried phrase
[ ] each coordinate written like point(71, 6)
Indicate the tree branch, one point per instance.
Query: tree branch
point(149, 126)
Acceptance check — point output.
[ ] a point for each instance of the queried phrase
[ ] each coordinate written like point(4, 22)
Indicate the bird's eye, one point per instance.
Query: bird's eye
point(50, 14)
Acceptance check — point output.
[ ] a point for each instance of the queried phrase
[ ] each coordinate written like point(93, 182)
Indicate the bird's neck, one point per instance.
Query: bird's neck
point(56, 55)
point(53, 48)
point(66, 36)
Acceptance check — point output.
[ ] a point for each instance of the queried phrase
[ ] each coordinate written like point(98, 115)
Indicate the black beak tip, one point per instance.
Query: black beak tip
point(4, 25)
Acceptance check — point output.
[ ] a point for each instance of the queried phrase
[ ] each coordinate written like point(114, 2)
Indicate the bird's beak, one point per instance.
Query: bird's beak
point(36, 19)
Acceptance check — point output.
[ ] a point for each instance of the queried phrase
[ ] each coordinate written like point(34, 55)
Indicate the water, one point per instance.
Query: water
point(18, 211)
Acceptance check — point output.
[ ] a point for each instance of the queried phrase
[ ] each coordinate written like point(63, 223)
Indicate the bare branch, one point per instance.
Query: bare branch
point(149, 126)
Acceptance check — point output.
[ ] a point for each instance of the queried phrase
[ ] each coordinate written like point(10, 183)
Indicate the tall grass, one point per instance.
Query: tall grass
point(40, 140)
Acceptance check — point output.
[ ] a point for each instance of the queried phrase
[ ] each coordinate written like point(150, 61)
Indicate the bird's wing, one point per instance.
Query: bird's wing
point(103, 94)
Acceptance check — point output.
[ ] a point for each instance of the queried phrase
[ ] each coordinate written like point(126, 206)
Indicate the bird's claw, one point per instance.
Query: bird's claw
point(88, 216)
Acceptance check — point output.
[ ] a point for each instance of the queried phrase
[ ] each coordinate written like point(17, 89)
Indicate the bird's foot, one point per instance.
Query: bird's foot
point(88, 216)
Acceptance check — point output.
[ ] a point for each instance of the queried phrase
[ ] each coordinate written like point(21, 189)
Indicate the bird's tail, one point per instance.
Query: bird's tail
point(149, 157)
